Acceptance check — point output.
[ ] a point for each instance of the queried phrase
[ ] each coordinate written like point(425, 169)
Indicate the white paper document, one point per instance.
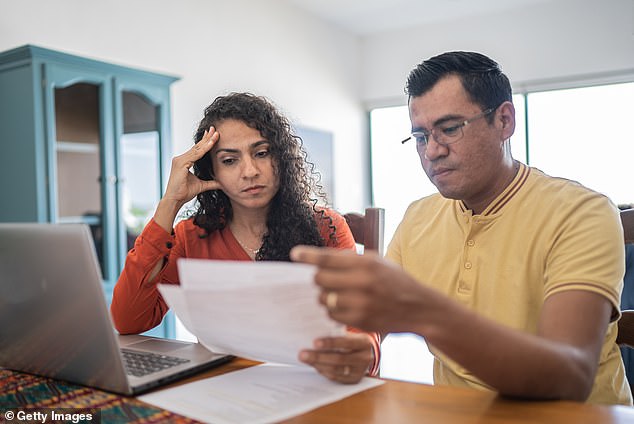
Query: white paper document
point(266, 393)
point(265, 311)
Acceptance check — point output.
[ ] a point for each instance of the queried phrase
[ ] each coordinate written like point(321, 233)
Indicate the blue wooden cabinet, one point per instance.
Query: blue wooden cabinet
point(83, 141)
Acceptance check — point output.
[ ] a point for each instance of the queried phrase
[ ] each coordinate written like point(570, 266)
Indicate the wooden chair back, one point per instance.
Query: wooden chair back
point(627, 219)
point(626, 323)
point(367, 229)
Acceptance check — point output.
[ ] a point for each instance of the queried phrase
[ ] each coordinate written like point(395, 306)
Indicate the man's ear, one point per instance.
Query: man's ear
point(506, 114)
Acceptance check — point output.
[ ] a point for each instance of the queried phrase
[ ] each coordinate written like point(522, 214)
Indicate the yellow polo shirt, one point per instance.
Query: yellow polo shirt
point(541, 236)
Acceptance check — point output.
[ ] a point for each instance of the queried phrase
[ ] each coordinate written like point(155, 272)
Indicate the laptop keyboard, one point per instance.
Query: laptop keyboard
point(139, 364)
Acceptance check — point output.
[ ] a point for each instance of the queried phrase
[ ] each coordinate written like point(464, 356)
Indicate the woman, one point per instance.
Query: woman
point(255, 202)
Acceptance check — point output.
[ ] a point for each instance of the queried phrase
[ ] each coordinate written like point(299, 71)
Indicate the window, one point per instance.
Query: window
point(591, 128)
point(397, 176)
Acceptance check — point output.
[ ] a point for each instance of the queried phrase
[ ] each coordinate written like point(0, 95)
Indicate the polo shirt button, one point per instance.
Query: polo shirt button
point(467, 265)
point(470, 243)
point(169, 244)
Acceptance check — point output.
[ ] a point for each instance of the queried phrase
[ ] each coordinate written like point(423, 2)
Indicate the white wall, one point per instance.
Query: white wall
point(308, 68)
point(320, 76)
point(551, 40)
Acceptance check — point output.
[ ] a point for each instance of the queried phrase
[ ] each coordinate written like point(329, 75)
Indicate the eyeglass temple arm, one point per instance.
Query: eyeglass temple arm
point(468, 121)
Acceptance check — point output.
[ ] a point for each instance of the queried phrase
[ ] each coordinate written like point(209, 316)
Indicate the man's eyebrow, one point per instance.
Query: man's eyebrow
point(453, 117)
point(439, 121)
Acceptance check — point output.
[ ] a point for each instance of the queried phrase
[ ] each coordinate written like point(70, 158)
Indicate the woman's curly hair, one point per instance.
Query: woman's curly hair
point(293, 217)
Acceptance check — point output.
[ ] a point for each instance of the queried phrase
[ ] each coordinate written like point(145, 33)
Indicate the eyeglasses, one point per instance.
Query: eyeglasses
point(447, 133)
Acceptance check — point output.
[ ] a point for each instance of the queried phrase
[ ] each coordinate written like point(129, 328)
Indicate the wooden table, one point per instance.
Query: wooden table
point(402, 402)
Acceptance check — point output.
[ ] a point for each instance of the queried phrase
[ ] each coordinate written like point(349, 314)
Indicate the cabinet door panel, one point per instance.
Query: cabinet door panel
point(139, 164)
point(141, 128)
point(78, 152)
point(78, 104)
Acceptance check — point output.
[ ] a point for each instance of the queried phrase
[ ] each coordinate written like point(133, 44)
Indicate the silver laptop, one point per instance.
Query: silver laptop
point(54, 321)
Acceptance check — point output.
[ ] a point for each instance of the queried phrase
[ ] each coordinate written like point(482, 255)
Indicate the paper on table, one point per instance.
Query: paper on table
point(266, 311)
point(263, 394)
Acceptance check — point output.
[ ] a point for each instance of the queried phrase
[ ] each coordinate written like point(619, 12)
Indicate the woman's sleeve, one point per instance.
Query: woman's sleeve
point(373, 371)
point(137, 305)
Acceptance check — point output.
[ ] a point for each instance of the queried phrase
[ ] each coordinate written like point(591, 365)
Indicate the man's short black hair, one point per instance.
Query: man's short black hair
point(481, 77)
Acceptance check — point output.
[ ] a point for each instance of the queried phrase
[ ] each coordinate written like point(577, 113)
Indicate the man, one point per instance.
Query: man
point(512, 277)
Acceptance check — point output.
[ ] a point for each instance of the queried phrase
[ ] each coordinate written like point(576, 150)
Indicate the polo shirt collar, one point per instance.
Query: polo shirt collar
point(509, 192)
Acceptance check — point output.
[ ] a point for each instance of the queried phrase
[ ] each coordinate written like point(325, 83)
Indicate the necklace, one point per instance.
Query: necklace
point(252, 252)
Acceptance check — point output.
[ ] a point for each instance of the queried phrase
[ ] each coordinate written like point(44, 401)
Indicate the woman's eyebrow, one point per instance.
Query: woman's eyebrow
point(259, 143)
point(226, 151)
point(251, 146)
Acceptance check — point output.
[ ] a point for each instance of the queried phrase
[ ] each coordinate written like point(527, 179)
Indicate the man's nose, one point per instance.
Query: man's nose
point(432, 150)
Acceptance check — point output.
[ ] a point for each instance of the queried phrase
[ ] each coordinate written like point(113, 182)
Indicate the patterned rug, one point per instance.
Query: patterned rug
point(19, 391)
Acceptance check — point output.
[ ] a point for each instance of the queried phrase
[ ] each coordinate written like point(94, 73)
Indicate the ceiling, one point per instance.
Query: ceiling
point(365, 17)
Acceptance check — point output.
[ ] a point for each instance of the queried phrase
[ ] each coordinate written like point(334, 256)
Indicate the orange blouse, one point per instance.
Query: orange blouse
point(137, 305)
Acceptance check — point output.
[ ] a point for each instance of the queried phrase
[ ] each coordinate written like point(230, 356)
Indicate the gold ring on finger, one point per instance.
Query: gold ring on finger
point(331, 300)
